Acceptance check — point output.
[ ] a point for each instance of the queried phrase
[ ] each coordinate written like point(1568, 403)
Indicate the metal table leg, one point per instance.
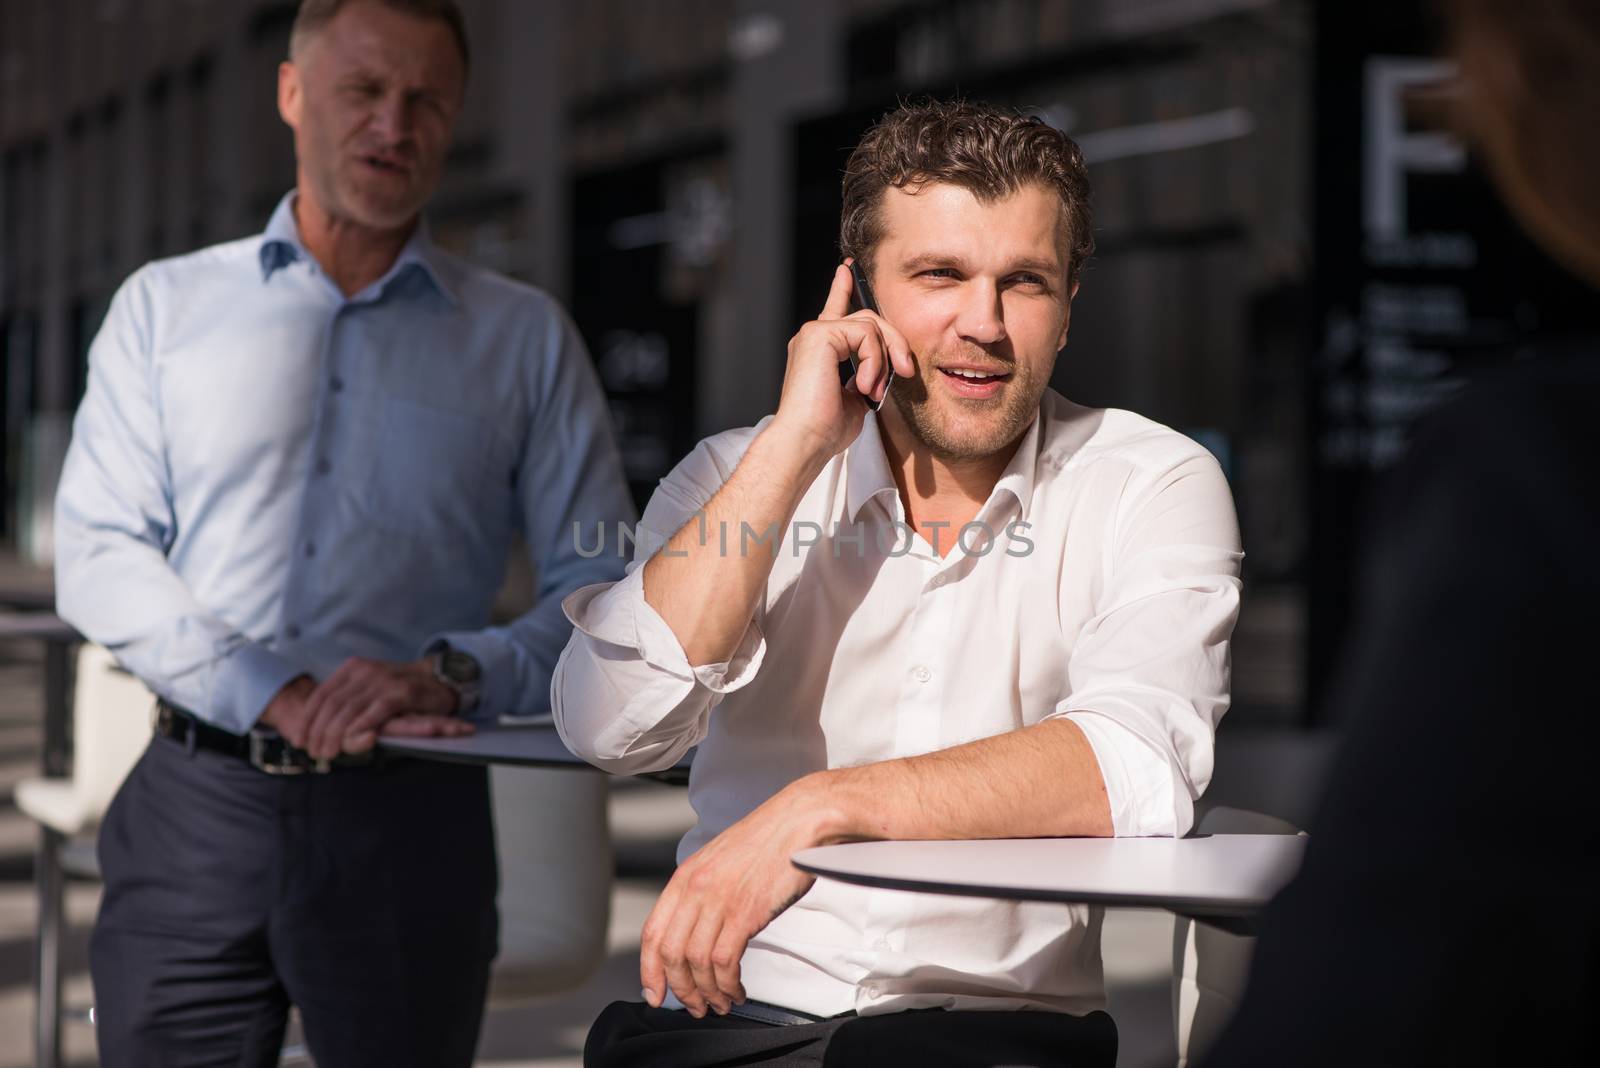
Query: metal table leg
point(49, 877)
point(47, 958)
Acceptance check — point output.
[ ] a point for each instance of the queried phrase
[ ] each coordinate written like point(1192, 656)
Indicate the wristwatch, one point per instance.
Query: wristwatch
point(460, 672)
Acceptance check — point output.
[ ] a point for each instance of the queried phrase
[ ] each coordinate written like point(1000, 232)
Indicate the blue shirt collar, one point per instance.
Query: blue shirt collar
point(281, 246)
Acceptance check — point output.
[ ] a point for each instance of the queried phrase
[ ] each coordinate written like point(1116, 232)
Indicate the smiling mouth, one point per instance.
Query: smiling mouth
point(975, 377)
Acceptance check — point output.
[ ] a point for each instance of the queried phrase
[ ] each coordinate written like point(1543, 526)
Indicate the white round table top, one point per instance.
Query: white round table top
point(1229, 875)
point(534, 743)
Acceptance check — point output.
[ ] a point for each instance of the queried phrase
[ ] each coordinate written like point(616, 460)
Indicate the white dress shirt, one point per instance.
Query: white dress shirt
point(1107, 594)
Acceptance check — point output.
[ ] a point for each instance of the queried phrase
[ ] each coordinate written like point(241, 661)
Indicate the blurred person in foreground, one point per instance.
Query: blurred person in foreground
point(287, 507)
point(1446, 910)
point(982, 611)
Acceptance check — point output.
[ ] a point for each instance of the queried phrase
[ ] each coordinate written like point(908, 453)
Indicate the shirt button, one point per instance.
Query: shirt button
point(291, 631)
point(883, 945)
point(336, 384)
point(921, 674)
point(311, 549)
point(323, 467)
point(872, 991)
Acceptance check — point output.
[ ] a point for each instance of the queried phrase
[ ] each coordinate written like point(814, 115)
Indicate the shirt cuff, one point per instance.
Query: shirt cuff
point(497, 670)
point(244, 684)
point(618, 614)
point(1138, 780)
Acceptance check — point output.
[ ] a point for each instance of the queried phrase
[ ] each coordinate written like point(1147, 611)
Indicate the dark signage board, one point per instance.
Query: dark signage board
point(645, 236)
point(1422, 280)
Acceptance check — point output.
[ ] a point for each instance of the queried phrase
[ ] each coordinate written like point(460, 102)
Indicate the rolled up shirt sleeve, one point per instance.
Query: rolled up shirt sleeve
point(1149, 675)
point(624, 695)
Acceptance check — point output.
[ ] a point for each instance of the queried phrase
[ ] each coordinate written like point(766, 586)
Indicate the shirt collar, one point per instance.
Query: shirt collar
point(281, 246)
point(280, 242)
point(867, 469)
point(1017, 478)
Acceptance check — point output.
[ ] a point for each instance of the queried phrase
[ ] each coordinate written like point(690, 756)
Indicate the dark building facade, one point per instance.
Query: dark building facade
point(670, 168)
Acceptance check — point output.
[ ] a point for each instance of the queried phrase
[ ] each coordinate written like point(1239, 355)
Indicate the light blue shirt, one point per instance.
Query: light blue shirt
point(267, 477)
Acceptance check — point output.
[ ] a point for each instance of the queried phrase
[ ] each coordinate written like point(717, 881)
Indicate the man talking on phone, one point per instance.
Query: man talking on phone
point(980, 611)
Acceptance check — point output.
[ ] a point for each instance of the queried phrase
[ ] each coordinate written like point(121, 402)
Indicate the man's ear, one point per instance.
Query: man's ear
point(289, 93)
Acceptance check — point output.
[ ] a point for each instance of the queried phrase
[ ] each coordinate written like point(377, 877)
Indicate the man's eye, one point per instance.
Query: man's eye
point(939, 272)
point(1027, 279)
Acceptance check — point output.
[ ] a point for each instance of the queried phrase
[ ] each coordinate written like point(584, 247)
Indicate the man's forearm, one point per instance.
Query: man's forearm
point(704, 585)
point(1039, 782)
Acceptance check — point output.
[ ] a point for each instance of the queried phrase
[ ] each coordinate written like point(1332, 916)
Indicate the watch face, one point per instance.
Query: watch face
point(458, 666)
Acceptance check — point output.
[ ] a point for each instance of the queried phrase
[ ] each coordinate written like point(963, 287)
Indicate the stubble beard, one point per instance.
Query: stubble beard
point(372, 205)
point(347, 194)
point(983, 428)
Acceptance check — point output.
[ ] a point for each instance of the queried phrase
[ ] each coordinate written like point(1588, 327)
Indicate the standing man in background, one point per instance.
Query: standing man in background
point(293, 484)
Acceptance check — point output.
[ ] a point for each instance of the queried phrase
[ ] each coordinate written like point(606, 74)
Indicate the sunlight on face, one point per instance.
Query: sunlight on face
point(373, 100)
point(980, 292)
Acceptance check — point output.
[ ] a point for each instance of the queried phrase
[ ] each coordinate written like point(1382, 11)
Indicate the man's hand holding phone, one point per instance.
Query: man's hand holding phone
point(862, 299)
point(813, 403)
point(730, 889)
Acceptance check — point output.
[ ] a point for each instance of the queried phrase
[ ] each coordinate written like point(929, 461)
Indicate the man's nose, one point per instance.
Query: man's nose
point(391, 117)
point(981, 318)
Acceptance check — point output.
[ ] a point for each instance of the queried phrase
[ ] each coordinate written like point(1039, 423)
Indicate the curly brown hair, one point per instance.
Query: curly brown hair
point(990, 151)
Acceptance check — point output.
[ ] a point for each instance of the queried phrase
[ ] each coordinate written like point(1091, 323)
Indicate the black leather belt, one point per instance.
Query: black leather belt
point(264, 749)
point(776, 1015)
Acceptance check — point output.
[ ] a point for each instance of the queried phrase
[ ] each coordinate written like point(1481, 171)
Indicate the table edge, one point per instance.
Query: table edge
point(673, 776)
point(410, 747)
point(1189, 906)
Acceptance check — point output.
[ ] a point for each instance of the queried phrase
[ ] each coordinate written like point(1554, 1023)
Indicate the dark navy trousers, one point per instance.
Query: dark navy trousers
point(364, 897)
point(630, 1034)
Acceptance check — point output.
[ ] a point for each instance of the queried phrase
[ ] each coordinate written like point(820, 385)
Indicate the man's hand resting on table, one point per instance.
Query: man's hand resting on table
point(1041, 781)
point(359, 701)
point(720, 897)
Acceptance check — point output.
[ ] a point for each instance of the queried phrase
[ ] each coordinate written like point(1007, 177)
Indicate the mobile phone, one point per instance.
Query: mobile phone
point(861, 296)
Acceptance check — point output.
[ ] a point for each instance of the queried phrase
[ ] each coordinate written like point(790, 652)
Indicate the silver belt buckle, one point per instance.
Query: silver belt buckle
point(258, 759)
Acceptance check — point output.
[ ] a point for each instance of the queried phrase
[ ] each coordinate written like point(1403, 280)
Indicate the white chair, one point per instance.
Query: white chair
point(111, 727)
point(554, 844)
point(1210, 965)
